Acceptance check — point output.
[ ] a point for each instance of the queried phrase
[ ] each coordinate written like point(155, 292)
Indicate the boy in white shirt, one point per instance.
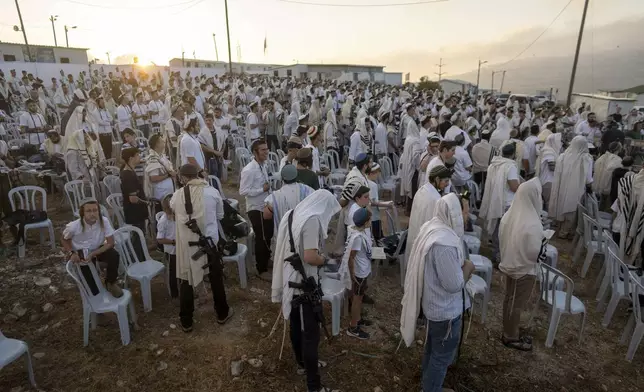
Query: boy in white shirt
point(376, 228)
point(358, 259)
point(360, 199)
point(166, 232)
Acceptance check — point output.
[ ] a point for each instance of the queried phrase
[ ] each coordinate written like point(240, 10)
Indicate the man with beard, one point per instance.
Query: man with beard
point(33, 124)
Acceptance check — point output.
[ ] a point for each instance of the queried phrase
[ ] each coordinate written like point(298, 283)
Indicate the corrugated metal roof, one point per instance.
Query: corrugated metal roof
point(41, 46)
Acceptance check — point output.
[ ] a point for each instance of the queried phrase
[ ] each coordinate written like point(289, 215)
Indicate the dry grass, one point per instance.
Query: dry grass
point(201, 361)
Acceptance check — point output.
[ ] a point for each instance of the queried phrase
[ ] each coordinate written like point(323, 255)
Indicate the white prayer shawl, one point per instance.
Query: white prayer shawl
point(330, 128)
point(287, 198)
point(550, 150)
point(454, 131)
point(320, 205)
point(205, 137)
point(343, 271)
point(187, 268)
point(569, 183)
point(496, 184)
point(446, 228)
point(422, 211)
point(631, 203)
point(520, 148)
point(154, 161)
point(521, 232)
point(354, 176)
point(604, 167)
point(74, 123)
point(409, 163)
point(315, 113)
point(501, 133)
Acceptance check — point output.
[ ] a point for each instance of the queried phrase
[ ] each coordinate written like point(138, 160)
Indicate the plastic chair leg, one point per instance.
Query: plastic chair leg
point(635, 342)
point(30, 369)
point(52, 238)
point(589, 259)
point(485, 300)
point(22, 246)
point(41, 234)
point(336, 308)
point(123, 325)
point(92, 321)
point(403, 268)
point(146, 293)
point(612, 306)
point(577, 253)
point(575, 244)
point(86, 321)
point(602, 275)
point(582, 325)
point(603, 290)
point(552, 329)
point(241, 267)
point(628, 329)
point(133, 316)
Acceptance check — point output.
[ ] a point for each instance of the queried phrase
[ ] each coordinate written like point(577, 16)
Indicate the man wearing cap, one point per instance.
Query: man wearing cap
point(422, 209)
point(255, 186)
point(206, 205)
point(304, 173)
point(33, 124)
point(90, 238)
point(501, 184)
point(287, 197)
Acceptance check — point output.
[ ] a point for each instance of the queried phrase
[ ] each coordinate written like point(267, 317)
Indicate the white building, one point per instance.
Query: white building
point(12, 52)
point(451, 86)
point(603, 105)
point(221, 67)
point(341, 72)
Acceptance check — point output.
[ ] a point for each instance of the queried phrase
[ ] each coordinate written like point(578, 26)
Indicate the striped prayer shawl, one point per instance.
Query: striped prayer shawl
point(631, 208)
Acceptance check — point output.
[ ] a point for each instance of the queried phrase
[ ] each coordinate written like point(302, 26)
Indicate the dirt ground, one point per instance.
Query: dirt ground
point(162, 358)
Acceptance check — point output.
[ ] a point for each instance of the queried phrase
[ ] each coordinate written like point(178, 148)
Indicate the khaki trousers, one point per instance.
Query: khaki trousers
point(517, 297)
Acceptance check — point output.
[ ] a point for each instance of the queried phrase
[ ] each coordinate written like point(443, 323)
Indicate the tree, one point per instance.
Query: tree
point(426, 84)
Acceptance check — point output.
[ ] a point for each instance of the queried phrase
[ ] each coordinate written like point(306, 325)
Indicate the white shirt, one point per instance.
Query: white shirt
point(104, 120)
point(251, 185)
point(545, 174)
point(124, 117)
point(513, 174)
point(355, 148)
point(463, 161)
point(190, 148)
point(166, 229)
point(63, 100)
point(530, 151)
point(91, 237)
point(30, 121)
point(381, 139)
point(214, 207)
point(373, 196)
point(141, 110)
point(155, 106)
point(252, 120)
point(362, 261)
point(584, 129)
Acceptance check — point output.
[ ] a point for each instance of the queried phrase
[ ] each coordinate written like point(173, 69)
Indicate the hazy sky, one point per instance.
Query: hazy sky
point(157, 30)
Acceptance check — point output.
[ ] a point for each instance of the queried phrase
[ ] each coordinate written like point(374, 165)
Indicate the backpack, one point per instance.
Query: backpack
point(19, 218)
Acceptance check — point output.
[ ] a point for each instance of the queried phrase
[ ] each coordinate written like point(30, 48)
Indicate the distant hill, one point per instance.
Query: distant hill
point(609, 70)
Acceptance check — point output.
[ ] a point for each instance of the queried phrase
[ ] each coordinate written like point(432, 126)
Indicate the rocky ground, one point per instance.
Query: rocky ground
point(40, 305)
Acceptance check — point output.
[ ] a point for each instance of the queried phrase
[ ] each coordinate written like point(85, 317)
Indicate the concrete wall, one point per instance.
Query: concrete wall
point(42, 54)
point(394, 78)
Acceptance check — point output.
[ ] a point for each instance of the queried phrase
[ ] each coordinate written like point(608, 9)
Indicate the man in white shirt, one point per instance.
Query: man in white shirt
point(154, 109)
point(252, 123)
point(521, 123)
point(90, 239)
point(463, 166)
point(530, 151)
point(255, 186)
point(33, 124)
point(207, 210)
point(104, 121)
point(140, 114)
point(62, 99)
point(381, 135)
point(124, 113)
point(589, 128)
point(189, 147)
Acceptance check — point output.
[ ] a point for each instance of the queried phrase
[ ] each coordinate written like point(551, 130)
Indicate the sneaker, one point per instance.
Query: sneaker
point(231, 311)
point(265, 276)
point(115, 290)
point(186, 329)
point(356, 332)
point(367, 300)
point(365, 323)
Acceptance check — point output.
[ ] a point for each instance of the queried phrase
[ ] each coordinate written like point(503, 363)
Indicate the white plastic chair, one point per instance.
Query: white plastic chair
point(593, 241)
point(12, 349)
point(139, 133)
point(142, 271)
point(561, 302)
point(334, 292)
point(338, 174)
point(620, 287)
point(26, 196)
point(552, 255)
point(216, 183)
point(110, 162)
point(240, 259)
point(578, 241)
point(482, 289)
point(604, 278)
point(635, 325)
point(113, 170)
point(166, 262)
point(396, 163)
point(473, 244)
point(115, 202)
point(280, 154)
point(103, 302)
point(603, 218)
point(76, 191)
point(112, 183)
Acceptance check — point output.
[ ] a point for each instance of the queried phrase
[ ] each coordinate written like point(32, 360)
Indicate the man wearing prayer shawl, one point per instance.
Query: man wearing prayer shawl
point(501, 184)
point(482, 154)
point(436, 278)
point(630, 199)
point(573, 177)
point(287, 197)
point(523, 246)
point(545, 166)
point(309, 226)
point(503, 128)
point(410, 161)
point(604, 167)
point(422, 209)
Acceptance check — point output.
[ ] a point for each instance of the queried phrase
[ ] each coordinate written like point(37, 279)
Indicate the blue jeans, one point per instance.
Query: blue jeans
point(440, 350)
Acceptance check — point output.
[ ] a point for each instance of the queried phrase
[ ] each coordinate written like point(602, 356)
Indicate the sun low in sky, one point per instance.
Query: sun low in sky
point(380, 32)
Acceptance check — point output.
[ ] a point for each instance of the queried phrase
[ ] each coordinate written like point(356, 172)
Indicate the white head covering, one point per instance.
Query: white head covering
point(551, 148)
point(569, 183)
point(320, 205)
point(521, 231)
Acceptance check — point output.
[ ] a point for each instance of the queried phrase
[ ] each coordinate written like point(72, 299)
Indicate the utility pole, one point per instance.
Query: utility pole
point(66, 36)
point(52, 19)
point(492, 88)
point(478, 75)
point(502, 80)
point(574, 63)
point(440, 72)
point(108, 58)
point(230, 57)
point(216, 51)
point(24, 33)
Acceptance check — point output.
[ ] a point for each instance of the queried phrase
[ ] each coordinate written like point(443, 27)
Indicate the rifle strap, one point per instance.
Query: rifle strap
point(187, 201)
point(290, 231)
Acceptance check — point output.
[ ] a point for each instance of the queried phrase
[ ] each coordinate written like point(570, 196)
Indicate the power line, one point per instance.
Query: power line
point(128, 8)
point(540, 35)
point(363, 5)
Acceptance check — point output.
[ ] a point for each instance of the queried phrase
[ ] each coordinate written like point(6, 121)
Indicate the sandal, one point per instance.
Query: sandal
point(520, 344)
